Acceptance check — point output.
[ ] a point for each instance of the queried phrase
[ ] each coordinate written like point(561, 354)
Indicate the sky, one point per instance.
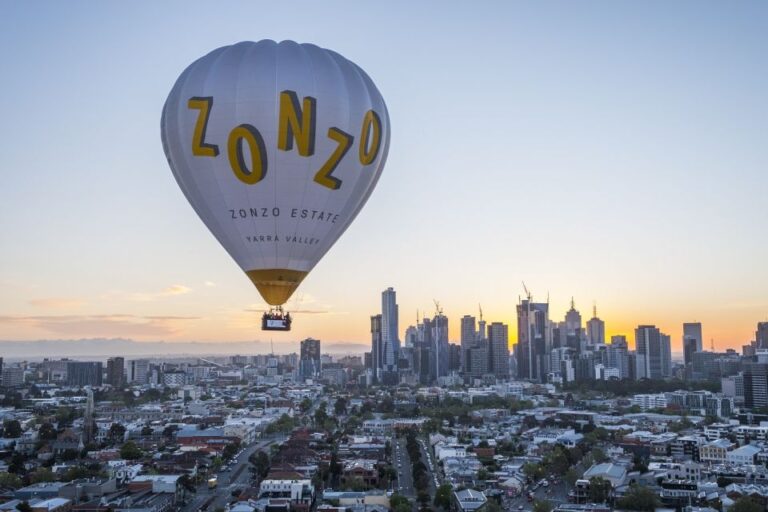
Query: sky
point(613, 152)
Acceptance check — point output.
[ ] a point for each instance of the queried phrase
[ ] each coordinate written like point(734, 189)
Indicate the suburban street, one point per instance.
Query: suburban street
point(554, 493)
point(428, 460)
point(237, 477)
point(402, 464)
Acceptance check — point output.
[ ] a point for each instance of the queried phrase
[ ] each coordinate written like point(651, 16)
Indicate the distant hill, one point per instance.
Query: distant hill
point(100, 348)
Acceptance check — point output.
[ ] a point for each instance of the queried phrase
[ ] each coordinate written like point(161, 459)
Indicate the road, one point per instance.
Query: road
point(237, 477)
point(402, 463)
point(554, 493)
point(429, 461)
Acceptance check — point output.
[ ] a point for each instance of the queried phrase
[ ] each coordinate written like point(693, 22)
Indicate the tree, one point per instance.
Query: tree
point(46, 432)
point(12, 429)
point(231, 450)
point(571, 476)
point(557, 461)
point(482, 474)
point(599, 489)
point(598, 455)
point(170, 431)
point(639, 464)
point(399, 503)
point(17, 463)
point(542, 506)
point(533, 471)
point(340, 407)
point(320, 416)
point(24, 507)
point(745, 504)
point(638, 498)
point(305, 405)
point(10, 480)
point(116, 433)
point(260, 462)
point(493, 506)
point(130, 451)
point(443, 496)
point(723, 482)
point(187, 484)
point(41, 475)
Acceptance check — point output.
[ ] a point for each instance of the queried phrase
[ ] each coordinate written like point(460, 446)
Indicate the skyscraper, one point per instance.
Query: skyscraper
point(756, 385)
point(571, 331)
point(689, 348)
point(533, 340)
point(618, 355)
point(693, 330)
point(761, 335)
point(467, 339)
point(498, 347)
point(138, 371)
point(411, 336)
point(653, 353)
point(478, 358)
point(595, 329)
point(309, 361)
point(390, 328)
point(440, 338)
point(666, 354)
point(377, 357)
point(84, 373)
point(115, 372)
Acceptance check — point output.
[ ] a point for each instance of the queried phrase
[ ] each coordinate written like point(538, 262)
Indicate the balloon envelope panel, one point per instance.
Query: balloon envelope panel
point(277, 147)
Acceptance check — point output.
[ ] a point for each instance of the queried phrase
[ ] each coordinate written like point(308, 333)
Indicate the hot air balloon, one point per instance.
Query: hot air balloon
point(277, 147)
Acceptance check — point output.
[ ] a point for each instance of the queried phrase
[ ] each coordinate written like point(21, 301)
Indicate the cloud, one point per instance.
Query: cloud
point(102, 325)
point(171, 291)
point(176, 289)
point(65, 303)
point(209, 284)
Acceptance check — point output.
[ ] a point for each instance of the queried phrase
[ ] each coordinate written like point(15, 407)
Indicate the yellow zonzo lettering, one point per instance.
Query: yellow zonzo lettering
point(369, 149)
point(199, 146)
point(296, 122)
point(258, 168)
point(323, 176)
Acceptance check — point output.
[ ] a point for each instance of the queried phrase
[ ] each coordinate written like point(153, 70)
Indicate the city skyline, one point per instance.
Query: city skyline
point(625, 166)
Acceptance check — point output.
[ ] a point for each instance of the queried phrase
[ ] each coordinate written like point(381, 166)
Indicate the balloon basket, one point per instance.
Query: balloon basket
point(276, 320)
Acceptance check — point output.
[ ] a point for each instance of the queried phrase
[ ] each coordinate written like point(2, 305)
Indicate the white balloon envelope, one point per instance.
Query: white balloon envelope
point(277, 147)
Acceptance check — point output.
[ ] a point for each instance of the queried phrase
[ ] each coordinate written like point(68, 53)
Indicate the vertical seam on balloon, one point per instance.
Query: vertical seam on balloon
point(275, 120)
point(220, 176)
point(306, 60)
point(248, 190)
point(351, 212)
point(185, 157)
point(369, 85)
point(342, 79)
point(293, 45)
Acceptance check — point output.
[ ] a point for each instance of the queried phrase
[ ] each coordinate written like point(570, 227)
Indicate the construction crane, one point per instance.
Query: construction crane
point(481, 311)
point(527, 293)
point(438, 309)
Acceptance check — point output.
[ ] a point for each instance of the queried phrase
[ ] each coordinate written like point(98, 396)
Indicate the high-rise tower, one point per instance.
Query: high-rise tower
point(389, 329)
point(595, 329)
point(498, 347)
point(653, 353)
point(533, 340)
